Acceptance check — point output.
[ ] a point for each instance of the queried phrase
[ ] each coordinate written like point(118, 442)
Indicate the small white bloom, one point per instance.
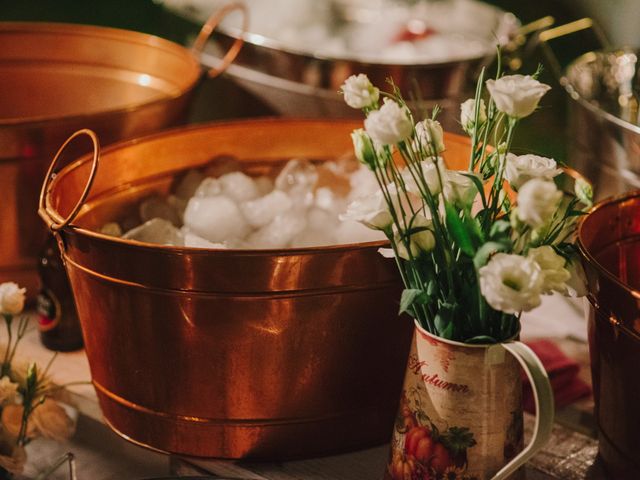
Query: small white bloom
point(554, 273)
point(371, 211)
point(429, 135)
point(517, 95)
point(433, 174)
point(389, 125)
point(51, 420)
point(359, 92)
point(468, 115)
point(522, 168)
point(8, 389)
point(363, 147)
point(584, 191)
point(11, 298)
point(537, 202)
point(459, 189)
point(511, 283)
point(577, 283)
point(424, 238)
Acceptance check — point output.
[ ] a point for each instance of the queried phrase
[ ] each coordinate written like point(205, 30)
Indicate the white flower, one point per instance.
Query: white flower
point(459, 188)
point(577, 283)
point(363, 147)
point(11, 298)
point(359, 92)
point(511, 283)
point(537, 202)
point(429, 135)
point(422, 240)
point(8, 389)
point(389, 125)
point(51, 420)
point(517, 95)
point(468, 115)
point(522, 168)
point(432, 173)
point(554, 273)
point(371, 211)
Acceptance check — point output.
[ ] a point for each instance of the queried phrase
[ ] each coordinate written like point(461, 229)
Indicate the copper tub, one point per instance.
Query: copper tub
point(264, 354)
point(57, 78)
point(609, 239)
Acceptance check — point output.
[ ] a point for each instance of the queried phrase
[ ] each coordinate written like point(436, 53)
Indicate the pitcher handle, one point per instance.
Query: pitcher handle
point(52, 218)
point(543, 398)
point(208, 28)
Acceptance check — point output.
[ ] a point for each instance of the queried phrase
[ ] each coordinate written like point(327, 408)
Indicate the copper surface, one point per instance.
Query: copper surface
point(57, 78)
point(609, 240)
point(233, 353)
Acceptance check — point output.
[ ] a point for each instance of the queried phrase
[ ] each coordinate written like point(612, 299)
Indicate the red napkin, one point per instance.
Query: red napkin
point(563, 374)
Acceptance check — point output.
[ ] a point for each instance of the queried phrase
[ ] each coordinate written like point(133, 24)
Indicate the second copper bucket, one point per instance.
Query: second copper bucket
point(609, 239)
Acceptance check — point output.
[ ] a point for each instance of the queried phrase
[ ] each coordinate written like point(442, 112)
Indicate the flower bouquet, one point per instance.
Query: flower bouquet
point(475, 248)
point(27, 405)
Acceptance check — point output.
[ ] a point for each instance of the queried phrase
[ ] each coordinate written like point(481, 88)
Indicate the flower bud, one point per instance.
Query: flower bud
point(359, 92)
point(584, 191)
point(364, 148)
point(468, 115)
point(429, 136)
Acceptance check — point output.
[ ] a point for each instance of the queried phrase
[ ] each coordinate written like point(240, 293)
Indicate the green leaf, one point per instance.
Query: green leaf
point(444, 320)
point(475, 231)
point(458, 231)
point(407, 299)
point(485, 251)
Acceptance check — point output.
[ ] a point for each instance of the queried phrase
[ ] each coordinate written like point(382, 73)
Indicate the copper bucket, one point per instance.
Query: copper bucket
point(57, 78)
point(609, 239)
point(266, 354)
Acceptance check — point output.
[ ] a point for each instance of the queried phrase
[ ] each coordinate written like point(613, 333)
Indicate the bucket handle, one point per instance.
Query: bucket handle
point(208, 28)
point(54, 221)
point(546, 36)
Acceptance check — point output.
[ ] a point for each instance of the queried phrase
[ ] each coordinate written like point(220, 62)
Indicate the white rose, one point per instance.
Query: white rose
point(371, 211)
point(359, 92)
point(11, 298)
point(468, 115)
point(432, 173)
point(554, 273)
point(511, 283)
point(517, 95)
point(429, 135)
point(537, 202)
point(522, 168)
point(389, 125)
point(459, 189)
point(50, 419)
point(8, 389)
point(363, 147)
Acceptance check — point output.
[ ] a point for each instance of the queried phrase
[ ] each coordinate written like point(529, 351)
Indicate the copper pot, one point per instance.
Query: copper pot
point(57, 78)
point(266, 354)
point(609, 240)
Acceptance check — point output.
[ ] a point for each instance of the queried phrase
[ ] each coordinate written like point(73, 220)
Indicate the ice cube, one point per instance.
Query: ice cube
point(363, 183)
point(280, 232)
point(320, 219)
point(156, 230)
point(112, 229)
point(298, 178)
point(264, 185)
point(313, 237)
point(158, 207)
point(188, 184)
point(350, 231)
point(209, 187)
point(327, 199)
point(215, 218)
point(263, 210)
point(239, 187)
point(196, 241)
point(221, 165)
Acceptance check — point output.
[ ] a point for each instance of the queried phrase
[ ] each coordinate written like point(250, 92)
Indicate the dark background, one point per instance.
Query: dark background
point(543, 133)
